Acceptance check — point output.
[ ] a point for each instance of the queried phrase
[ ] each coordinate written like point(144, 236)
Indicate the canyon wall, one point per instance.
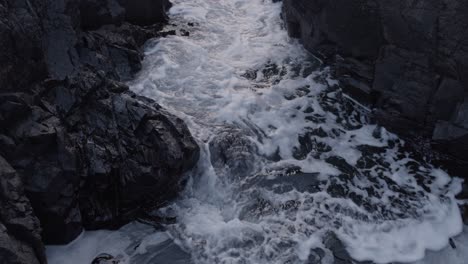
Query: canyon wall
point(78, 150)
point(406, 60)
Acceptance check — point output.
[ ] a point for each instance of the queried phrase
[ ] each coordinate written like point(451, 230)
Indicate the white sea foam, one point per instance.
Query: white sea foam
point(238, 68)
point(88, 245)
point(133, 243)
point(449, 255)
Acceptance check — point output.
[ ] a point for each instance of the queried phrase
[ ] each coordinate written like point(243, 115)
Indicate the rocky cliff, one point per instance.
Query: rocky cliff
point(77, 148)
point(406, 60)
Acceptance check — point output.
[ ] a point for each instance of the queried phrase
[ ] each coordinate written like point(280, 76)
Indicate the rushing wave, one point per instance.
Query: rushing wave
point(290, 169)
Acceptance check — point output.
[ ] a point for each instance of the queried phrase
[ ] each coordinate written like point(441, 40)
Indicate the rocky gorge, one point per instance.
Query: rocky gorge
point(202, 131)
point(78, 150)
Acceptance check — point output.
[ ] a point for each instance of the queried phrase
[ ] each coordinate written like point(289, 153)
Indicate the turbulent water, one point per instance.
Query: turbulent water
point(289, 166)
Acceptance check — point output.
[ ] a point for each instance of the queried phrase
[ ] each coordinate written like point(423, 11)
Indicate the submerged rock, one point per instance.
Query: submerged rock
point(233, 153)
point(105, 259)
point(406, 60)
point(87, 152)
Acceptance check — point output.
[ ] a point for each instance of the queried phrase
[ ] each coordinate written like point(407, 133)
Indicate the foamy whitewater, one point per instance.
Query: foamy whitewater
point(289, 166)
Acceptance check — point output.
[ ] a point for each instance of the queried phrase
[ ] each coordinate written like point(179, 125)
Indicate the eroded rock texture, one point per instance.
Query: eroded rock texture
point(408, 60)
point(20, 239)
point(78, 149)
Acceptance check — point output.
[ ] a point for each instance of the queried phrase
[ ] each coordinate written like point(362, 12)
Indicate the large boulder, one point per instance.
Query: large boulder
point(93, 154)
point(408, 60)
point(75, 142)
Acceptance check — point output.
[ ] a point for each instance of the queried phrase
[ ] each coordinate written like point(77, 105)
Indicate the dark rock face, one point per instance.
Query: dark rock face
point(95, 14)
point(408, 60)
point(146, 12)
point(87, 152)
point(93, 152)
point(19, 227)
point(21, 57)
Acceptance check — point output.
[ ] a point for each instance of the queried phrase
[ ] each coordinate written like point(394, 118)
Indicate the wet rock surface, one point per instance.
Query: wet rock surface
point(87, 152)
point(405, 60)
point(105, 259)
point(19, 227)
point(232, 153)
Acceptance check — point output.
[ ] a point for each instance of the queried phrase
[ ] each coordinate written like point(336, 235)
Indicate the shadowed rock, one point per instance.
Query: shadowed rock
point(20, 240)
point(146, 12)
point(105, 259)
point(87, 152)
